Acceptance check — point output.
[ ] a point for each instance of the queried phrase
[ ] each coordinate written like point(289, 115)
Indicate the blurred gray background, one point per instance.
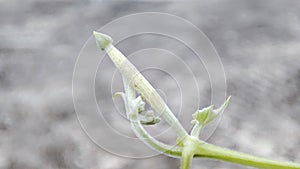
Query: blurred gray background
point(258, 42)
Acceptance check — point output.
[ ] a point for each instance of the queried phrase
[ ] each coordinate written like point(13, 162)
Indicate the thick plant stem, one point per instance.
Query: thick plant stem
point(186, 159)
point(215, 152)
point(188, 151)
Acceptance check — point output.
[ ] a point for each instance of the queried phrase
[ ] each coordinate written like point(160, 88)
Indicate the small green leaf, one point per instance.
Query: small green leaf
point(138, 104)
point(141, 107)
point(149, 118)
point(208, 114)
point(204, 115)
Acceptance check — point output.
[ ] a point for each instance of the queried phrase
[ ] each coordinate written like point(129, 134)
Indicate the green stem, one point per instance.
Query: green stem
point(215, 152)
point(186, 159)
point(196, 130)
point(189, 149)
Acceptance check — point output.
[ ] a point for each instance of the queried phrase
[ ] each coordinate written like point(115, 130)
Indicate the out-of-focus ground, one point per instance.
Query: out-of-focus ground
point(258, 42)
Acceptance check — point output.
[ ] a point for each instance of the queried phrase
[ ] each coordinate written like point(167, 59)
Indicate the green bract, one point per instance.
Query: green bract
point(208, 114)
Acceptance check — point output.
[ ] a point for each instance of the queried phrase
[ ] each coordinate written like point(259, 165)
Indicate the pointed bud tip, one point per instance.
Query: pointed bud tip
point(227, 101)
point(229, 98)
point(102, 40)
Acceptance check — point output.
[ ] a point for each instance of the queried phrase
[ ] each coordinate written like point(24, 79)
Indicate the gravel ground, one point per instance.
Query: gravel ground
point(258, 43)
